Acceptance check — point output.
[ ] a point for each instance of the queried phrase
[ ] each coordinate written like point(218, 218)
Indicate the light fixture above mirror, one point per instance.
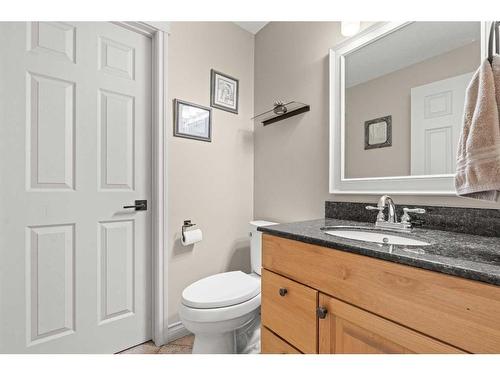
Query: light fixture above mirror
point(349, 28)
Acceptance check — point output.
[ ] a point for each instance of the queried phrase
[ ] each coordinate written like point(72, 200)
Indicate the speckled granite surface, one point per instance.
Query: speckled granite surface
point(480, 221)
point(465, 255)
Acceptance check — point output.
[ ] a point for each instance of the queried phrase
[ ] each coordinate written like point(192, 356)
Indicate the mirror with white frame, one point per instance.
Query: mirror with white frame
point(397, 93)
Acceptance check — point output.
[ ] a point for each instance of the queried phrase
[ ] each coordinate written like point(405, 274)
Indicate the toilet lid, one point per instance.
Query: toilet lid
point(220, 290)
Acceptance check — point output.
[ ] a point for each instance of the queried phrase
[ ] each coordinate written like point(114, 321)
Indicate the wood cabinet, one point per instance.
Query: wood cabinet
point(348, 303)
point(347, 329)
point(273, 344)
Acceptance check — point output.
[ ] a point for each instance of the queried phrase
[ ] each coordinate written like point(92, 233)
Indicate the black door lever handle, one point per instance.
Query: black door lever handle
point(140, 205)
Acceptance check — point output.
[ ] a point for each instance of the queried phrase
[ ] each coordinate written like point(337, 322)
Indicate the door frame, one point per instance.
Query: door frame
point(158, 33)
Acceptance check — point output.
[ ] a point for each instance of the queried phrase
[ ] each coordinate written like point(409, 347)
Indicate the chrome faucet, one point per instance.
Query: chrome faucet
point(392, 219)
point(385, 200)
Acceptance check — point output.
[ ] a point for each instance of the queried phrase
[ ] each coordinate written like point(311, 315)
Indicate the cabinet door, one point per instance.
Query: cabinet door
point(289, 309)
point(272, 344)
point(346, 329)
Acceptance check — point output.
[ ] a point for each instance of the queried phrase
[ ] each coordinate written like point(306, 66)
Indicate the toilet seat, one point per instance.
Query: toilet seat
point(221, 290)
point(190, 314)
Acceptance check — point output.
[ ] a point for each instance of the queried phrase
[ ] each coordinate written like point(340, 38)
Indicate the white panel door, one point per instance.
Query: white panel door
point(75, 137)
point(436, 123)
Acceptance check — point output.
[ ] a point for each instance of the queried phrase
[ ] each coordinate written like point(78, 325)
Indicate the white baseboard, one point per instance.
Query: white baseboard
point(176, 331)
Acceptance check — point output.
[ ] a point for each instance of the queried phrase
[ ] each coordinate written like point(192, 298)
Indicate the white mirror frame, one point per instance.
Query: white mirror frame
point(397, 185)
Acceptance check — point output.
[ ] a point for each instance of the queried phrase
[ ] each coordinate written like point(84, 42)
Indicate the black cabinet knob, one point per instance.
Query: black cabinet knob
point(283, 291)
point(321, 312)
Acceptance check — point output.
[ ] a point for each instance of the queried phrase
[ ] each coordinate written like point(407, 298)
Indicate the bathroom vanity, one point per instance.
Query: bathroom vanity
point(327, 294)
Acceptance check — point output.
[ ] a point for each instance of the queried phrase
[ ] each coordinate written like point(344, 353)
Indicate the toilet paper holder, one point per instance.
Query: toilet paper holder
point(187, 224)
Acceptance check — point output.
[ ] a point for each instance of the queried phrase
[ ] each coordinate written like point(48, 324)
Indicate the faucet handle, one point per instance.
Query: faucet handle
point(380, 215)
point(406, 218)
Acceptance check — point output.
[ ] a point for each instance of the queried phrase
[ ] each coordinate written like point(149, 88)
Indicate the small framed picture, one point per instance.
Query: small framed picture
point(224, 91)
point(192, 121)
point(378, 133)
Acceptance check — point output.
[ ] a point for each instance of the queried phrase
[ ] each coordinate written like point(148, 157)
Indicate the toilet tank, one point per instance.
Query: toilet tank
point(256, 244)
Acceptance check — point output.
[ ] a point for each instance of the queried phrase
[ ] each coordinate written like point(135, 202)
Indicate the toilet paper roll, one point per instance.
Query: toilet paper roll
point(191, 237)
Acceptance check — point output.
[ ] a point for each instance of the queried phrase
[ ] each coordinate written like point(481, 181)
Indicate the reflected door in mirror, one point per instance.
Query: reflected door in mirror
point(436, 124)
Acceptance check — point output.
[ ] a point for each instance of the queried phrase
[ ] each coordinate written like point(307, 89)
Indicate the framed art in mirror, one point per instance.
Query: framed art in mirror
point(378, 133)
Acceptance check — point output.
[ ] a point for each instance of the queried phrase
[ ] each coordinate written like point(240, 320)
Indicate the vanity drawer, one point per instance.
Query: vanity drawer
point(463, 313)
point(273, 344)
point(289, 309)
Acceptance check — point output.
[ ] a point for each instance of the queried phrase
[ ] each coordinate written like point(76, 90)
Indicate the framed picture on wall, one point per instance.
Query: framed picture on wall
point(224, 91)
point(192, 121)
point(378, 133)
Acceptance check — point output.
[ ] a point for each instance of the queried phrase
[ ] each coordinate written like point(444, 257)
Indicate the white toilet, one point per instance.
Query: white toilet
point(223, 310)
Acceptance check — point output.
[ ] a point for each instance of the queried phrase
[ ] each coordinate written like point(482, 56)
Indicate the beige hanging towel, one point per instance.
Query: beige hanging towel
point(478, 154)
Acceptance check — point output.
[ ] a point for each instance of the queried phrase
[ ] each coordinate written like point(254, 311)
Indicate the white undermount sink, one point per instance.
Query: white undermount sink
point(367, 235)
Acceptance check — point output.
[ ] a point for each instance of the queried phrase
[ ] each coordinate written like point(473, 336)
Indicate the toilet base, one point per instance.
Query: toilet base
point(248, 337)
point(239, 335)
point(222, 343)
point(245, 340)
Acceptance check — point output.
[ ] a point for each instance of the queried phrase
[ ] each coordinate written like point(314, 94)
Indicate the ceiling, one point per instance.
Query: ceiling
point(252, 27)
point(407, 46)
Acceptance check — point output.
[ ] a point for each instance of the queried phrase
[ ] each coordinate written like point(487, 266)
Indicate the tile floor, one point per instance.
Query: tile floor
point(184, 345)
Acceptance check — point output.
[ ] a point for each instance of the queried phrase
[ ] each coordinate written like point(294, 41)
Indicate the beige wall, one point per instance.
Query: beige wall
point(391, 95)
point(210, 183)
point(291, 157)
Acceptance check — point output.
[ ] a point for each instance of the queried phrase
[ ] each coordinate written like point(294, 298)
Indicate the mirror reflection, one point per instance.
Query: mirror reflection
point(404, 97)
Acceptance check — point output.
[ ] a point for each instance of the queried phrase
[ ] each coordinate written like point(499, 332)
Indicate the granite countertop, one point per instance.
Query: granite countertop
point(464, 255)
